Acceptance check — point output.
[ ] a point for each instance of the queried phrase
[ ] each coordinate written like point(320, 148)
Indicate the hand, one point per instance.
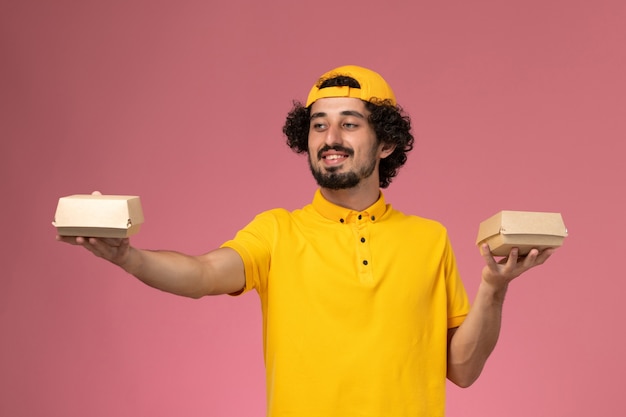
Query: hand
point(114, 250)
point(500, 273)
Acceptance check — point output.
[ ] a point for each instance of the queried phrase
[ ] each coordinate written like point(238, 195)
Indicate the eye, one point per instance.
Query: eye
point(318, 126)
point(349, 125)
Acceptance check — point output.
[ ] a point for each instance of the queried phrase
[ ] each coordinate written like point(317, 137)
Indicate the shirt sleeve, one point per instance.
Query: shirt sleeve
point(458, 303)
point(254, 243)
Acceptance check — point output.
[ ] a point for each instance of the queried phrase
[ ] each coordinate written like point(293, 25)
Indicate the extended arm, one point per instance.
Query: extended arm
point(217, 272)
point(470, 344)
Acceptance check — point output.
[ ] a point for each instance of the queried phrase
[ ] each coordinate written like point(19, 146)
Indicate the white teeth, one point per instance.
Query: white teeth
point(334, 156)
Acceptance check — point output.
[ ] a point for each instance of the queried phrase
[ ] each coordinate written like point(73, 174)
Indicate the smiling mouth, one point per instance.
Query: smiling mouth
point(334, 154)
point(334, 161)
point(334, 157)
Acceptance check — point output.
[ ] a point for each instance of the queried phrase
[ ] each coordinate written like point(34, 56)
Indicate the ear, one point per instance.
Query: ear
point(386, 150)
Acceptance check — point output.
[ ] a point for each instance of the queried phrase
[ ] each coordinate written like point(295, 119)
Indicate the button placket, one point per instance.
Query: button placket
point(364, 259)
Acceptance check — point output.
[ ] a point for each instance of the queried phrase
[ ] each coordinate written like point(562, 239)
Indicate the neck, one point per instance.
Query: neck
point(357, 198)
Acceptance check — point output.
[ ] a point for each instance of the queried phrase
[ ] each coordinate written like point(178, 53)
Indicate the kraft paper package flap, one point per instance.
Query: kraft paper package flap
point(521, 229)
point(89, 215)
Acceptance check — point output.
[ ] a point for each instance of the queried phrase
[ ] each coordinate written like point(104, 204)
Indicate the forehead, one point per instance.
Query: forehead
point(338, 105)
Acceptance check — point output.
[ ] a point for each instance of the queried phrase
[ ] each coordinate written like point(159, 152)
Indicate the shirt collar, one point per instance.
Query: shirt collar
point(345, 215)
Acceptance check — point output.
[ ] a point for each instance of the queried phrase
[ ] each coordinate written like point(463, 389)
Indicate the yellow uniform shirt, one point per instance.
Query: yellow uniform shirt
point(356, 308)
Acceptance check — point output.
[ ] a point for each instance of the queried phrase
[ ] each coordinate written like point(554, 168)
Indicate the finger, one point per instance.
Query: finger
point(486, 253)
point(72, 240)
point(511, 261)
point(544, 255)
point(79, 241)
point(98, 247)
point(96, 193)
point(530, 258)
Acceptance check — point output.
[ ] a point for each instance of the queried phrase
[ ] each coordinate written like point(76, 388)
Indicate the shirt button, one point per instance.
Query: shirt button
point(364, 262)
point(373, 218)
point(341, 220)
point(362, 240)
point(360, 217)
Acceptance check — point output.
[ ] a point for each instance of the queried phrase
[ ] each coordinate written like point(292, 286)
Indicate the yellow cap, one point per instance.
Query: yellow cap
point(373, 86)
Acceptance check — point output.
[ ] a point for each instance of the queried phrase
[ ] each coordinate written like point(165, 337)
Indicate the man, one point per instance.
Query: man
point(364, 313)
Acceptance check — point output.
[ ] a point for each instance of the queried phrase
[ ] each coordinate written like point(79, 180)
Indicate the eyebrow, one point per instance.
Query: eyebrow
point(343, 113)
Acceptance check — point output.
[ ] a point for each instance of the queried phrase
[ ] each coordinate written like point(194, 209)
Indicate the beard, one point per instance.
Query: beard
point(333, 180)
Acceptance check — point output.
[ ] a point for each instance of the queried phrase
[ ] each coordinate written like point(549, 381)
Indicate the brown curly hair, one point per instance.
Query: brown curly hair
point(390, 123)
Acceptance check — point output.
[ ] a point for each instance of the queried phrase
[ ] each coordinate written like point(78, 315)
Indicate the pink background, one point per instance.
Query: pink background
point(516, 105)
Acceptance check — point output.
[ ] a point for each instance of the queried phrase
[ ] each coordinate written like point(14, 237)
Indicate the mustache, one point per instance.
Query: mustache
point(337, 148)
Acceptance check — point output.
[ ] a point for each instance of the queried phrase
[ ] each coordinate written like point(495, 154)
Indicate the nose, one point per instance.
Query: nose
point(333, 135)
